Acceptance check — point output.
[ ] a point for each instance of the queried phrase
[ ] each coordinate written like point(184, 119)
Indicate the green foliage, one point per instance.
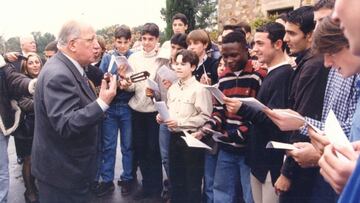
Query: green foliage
point(207, 14)
point(108, 34)
point(12, 44)
point(2, 45)
point(260, 21)
point(42, 41)
point(187, 7)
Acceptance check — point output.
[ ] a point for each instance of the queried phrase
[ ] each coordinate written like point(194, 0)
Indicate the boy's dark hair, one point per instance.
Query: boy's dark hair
point(303, 17)
point(321, 4)
point(328, 37)
point(275, 30)
point(123, 31)
point(231, 27)
point(245, 26)
point(282, 16)
point(179, 39)
point(188, 57)
point(238, 37)
point(180, 16)
point(51, 46)
point(151, 29)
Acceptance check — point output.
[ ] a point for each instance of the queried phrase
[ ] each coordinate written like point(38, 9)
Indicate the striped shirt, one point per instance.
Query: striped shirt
point(244, 84)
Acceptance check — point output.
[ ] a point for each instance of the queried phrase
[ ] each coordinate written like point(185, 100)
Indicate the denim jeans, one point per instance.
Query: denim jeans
point(231, 172)
point(209, 174)
point(118, 116)
point(164, 141)
point(4, 168)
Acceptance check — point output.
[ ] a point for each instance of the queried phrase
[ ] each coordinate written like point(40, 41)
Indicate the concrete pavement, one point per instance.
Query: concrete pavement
point(17, 189)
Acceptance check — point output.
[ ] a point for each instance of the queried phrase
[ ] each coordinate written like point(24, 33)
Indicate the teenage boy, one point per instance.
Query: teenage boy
point(338, 171)
point(198, 41)
point(239, 79)
point(118, 117)
point(306, 97)
point(265, 164)
point(145, 128)
point(179, 26)
point(341, 95)
point(189, 107)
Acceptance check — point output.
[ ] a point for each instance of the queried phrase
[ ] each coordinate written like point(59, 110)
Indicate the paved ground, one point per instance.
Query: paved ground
point(17, 185)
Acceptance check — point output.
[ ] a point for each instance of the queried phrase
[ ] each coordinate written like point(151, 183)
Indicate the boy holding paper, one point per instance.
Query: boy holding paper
point(189, 107)
point(239, 79)
point(118, 116)
point(265, 164)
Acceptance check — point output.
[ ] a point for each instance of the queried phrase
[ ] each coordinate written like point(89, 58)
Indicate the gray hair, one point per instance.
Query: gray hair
point(69, 31)
point(26, 38)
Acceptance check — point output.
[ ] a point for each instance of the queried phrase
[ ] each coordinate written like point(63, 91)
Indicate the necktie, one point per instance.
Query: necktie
point(90, 84)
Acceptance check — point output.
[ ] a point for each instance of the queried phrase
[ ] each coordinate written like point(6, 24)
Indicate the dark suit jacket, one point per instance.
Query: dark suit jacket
point(66, 126)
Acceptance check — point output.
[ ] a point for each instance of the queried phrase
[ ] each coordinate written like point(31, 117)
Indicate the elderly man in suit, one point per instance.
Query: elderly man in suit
point(67, 114)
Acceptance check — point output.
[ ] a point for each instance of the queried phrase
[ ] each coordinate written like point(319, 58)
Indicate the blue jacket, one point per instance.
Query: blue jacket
point(122, 96)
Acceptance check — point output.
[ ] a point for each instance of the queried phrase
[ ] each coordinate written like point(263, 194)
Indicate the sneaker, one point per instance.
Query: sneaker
point(126, 187)
point(94, 186)
point(20, 160)
point(105, 188)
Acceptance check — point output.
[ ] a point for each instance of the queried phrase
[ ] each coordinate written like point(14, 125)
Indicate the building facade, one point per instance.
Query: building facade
point(235, 11)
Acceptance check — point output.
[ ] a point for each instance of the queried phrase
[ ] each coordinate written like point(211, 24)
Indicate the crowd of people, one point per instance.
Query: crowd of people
point(66, 111)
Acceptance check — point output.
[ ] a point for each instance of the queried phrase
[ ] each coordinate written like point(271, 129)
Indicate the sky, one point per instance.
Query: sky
point(20, 17)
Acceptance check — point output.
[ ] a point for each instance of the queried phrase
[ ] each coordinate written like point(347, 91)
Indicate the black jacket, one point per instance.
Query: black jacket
point(12, 84)
point(274, 94)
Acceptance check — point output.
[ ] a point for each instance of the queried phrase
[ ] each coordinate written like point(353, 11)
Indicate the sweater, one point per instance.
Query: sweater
point(142, 61)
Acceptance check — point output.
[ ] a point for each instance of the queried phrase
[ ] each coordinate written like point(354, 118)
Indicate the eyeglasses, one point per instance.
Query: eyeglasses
point(89, 40)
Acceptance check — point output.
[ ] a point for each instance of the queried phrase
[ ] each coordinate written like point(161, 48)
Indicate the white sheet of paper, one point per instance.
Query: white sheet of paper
point(334, 132)
point(253, 103)
point(216, 92)
point(166, 74)
point(112, 61)
point(279, 145)
point(191, 141)
point(152, 85)
point(161, 107)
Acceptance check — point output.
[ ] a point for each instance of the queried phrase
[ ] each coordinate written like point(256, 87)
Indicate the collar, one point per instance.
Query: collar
point(150, 54)
point(357, 81)
point(203, 60)
point(301, 55)
point(247, 69)
point(127, 54)
point(276, 66)
point(76, 64)
point(186, 82)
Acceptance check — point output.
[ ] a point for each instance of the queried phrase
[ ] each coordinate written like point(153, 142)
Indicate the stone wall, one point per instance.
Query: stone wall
point(235, 11)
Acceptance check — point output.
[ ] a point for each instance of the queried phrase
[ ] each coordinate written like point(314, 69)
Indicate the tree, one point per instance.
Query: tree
point(187, 7)
point(108, 34)
point(2, 45)
point(42, 40)
point(12, 44)
point(206, 14)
